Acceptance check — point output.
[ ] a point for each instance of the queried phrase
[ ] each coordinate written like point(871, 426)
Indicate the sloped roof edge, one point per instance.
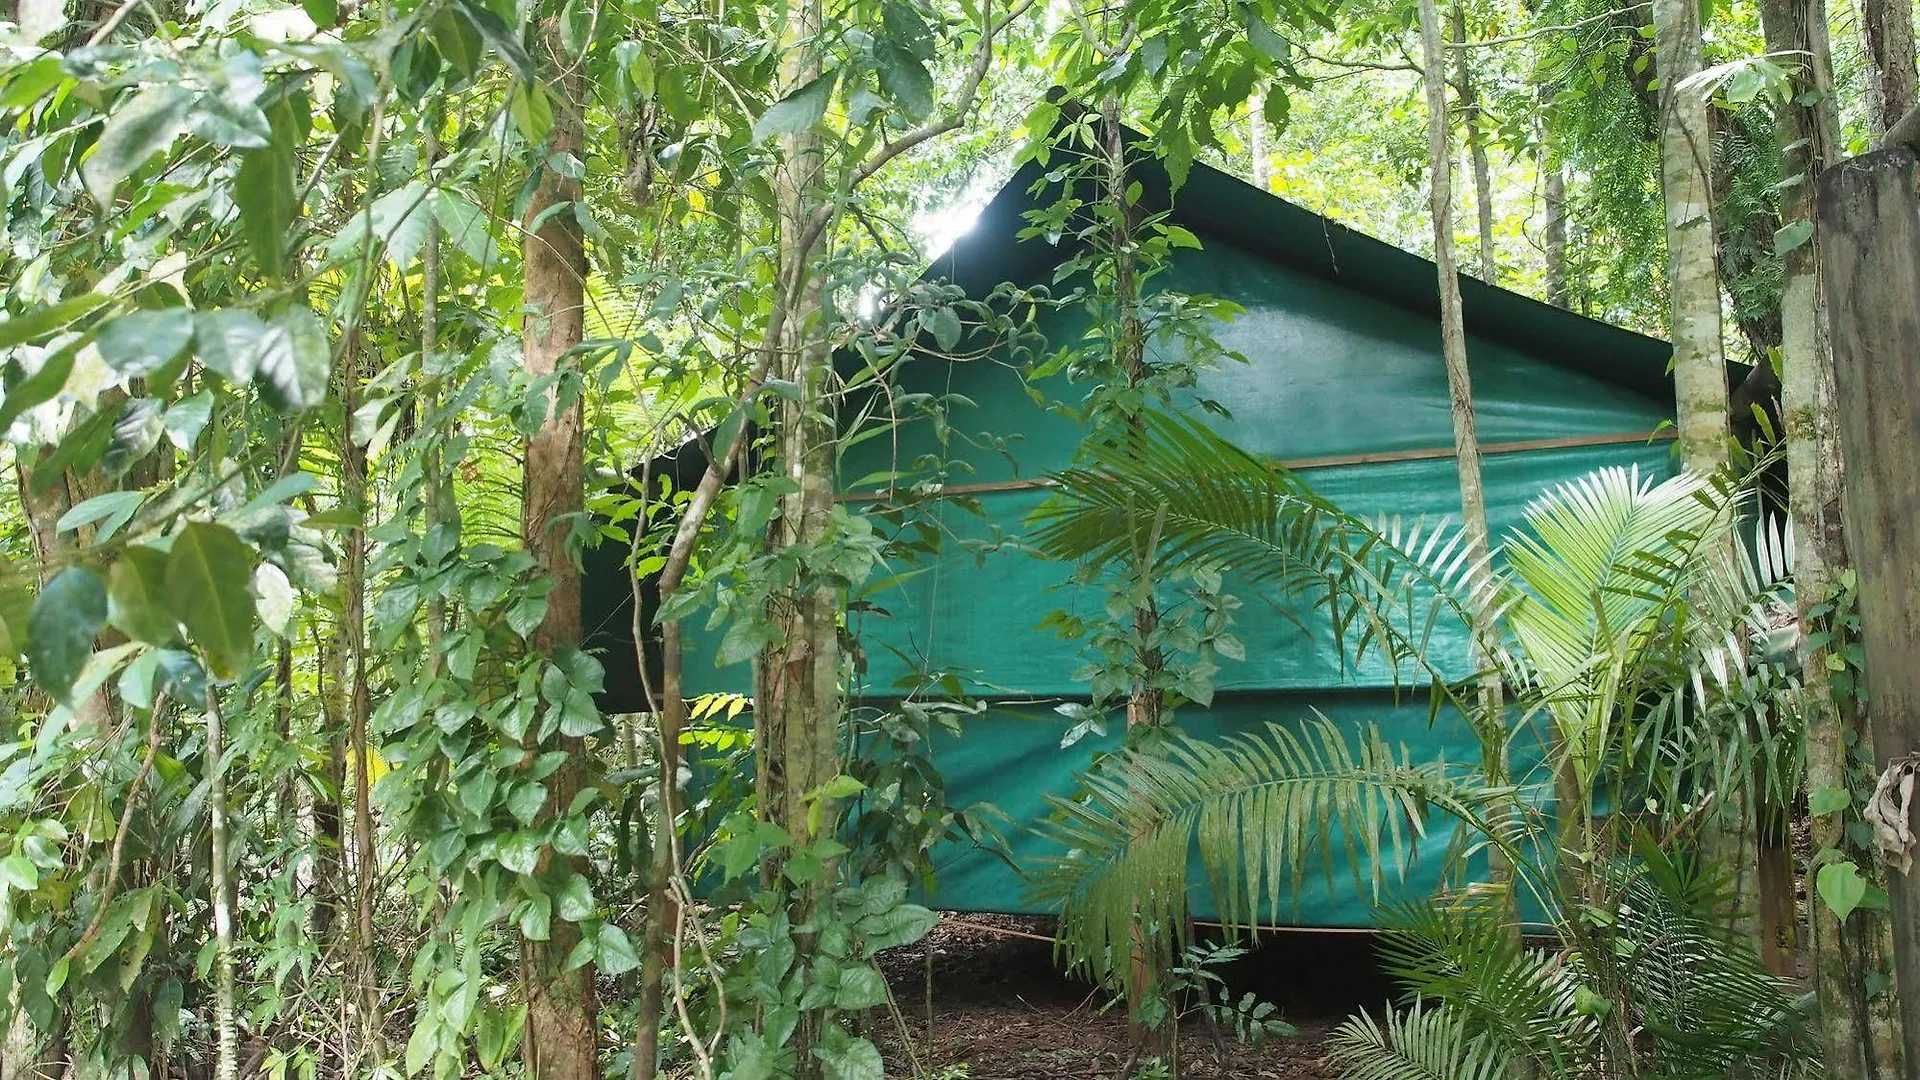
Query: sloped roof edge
point(1221, 208)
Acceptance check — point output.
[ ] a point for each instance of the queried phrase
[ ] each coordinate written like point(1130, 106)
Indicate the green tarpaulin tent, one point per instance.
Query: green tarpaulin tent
point(1343, 381)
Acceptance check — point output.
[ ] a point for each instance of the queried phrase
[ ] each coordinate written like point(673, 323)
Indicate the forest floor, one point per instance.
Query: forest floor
point(1002, 1009)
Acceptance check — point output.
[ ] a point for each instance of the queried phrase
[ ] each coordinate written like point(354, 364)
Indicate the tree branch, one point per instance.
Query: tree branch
point(112, 883)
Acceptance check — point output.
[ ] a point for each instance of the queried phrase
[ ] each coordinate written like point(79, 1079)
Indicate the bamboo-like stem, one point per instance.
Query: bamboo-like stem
point(1466, 437)
point(226, 1031)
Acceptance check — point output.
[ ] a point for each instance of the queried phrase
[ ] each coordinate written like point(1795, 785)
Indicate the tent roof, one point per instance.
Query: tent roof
point(1223, 209)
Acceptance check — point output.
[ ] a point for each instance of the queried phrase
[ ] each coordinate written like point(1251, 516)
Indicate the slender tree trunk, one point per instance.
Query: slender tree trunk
point(226, 1027)
point(1699, 364)
point(1257, 138)
point(1887, 27)
point(1810, 138)
point(1145, 702)
point(440, 508)
point(1686, 154)
point(1466, 437)
point(361, 969)
point(562, 1008)
point(1476, 147)
point(1553, 199)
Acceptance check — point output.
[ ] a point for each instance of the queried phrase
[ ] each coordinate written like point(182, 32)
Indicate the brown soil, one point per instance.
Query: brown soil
point(1003, 1011)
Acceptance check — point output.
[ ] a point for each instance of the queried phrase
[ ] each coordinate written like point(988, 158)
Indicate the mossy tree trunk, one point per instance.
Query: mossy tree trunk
point(560, 1041)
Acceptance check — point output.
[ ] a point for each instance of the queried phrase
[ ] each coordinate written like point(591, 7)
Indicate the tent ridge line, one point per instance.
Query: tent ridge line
point(1296, 464)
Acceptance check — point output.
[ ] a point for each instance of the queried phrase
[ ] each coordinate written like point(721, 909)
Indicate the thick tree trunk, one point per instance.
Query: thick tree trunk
point(1453, 348)
point(1811, 140)
point(1476, 148)
point(1869, 230)
point(1887, 27)
point(562, 1009)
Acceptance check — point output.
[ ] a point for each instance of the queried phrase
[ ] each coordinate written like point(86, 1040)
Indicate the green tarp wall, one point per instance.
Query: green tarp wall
point(1332, 370)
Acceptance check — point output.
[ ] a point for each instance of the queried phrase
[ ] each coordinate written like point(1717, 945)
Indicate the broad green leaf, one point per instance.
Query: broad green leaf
point(135, 132)
point(294, 361)
point(850, 1059)
point(861, 987)
point(1828, 800)
point(798, 111)
point(225, 123)
point(113, 505)
point(840, 787)
point(16, 603)
point(142, 342)
point(503, 39)
point(324, 13)
point(465, 225)
point(135, 434)
point(187, 418)
point(20, 329)
point(1792, 235)
point(532, 111)
point(613, 952)
point(66, 617)
point(269, 201)
point(576, 899)
point(902, 925)
point(209, 572)
point(1262, 37)
point(458, 42)
point(525, 800)
point(18, 872)
point(905, 79)
point(1841, 887)
point(520, 852)
point(274, 595)
point(137, 597)
point(79, 449)
point(536, 918)
point(30, 82)
point(401, 219)
point(230, 341)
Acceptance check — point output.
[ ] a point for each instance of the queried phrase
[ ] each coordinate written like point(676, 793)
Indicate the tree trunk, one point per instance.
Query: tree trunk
point(1699, 363)
point(1476, 148)
point(1868, 222)
point(562, 1009)
point(1257, 137)
point(1887, 27)
point(801, 674)
point(226, 1025)
point(1453, 348)
point(1553, 198)
point(365, 996)
point(1810, 137)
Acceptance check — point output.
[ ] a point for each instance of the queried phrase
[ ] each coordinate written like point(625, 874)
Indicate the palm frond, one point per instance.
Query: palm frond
point(1466, 954)
point(1423, 1041)
point(1721, 711)
point(1606, 562)
point(1257, 808)
point(1190, 497)
point(1704, 1003)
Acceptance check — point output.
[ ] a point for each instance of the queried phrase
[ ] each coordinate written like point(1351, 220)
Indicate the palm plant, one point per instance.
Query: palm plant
point(1617, 583)
point(1656, 989)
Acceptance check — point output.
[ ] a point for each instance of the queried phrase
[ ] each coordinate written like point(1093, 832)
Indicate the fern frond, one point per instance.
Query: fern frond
point(1384, 587)
point(1423, 1041)
point(1257, 808)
